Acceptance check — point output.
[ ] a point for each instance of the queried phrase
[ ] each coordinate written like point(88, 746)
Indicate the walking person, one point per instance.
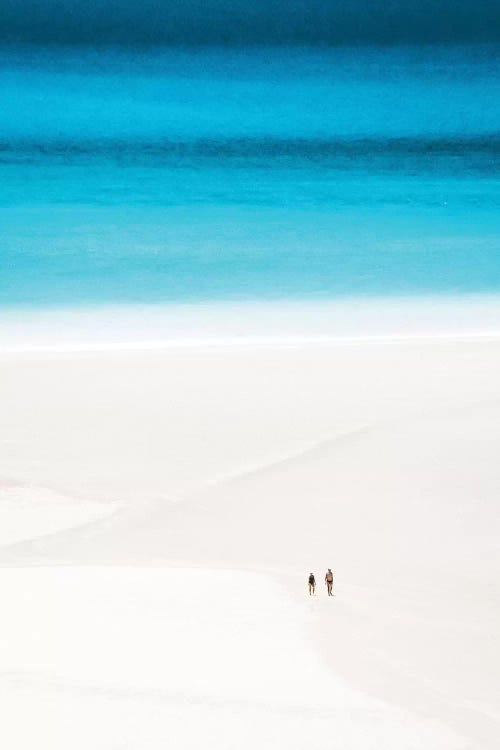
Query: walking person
point(312, 584)
point(329, 581)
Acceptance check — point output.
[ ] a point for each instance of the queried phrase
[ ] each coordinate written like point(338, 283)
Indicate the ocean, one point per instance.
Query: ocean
point(151, 176)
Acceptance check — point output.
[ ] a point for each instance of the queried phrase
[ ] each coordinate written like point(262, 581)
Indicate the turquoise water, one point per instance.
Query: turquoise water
point(182, 175)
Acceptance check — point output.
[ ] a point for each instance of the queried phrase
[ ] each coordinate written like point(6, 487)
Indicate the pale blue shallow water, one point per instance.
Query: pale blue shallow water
point(181, 175)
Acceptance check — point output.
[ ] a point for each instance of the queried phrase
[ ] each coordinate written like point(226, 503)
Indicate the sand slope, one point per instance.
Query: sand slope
point(379, 460)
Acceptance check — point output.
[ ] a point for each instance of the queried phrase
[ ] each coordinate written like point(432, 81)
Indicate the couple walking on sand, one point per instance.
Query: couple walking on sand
point(328, 581)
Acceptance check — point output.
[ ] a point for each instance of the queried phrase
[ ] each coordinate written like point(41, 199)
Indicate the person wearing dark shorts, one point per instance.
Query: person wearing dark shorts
point(329, 581)
point(312, 584)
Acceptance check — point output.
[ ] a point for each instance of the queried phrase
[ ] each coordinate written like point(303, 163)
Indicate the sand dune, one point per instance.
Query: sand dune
point(237, 471)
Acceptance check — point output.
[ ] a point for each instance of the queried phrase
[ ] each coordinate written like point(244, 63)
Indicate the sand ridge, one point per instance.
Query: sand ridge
point(249, 469)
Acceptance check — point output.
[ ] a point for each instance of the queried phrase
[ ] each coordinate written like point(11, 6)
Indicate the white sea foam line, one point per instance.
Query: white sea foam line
point(248, 342)
point(286, 323)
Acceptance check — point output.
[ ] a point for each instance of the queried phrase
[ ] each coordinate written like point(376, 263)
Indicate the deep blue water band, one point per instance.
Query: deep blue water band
point(276, 173)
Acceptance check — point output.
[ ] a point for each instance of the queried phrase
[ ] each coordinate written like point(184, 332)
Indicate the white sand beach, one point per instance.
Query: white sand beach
point(161, 509)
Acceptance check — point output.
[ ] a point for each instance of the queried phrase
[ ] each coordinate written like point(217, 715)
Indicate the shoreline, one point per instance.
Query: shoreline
point(253, 323)
point(251, 343)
